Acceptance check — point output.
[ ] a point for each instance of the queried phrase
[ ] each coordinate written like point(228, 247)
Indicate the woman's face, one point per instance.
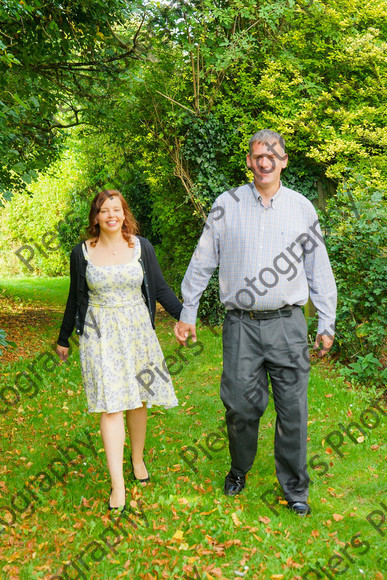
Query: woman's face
point(111, 215)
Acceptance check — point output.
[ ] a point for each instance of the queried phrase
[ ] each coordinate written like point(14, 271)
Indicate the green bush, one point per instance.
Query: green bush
point(356, 226)
point(211, 309)
point(36, 221)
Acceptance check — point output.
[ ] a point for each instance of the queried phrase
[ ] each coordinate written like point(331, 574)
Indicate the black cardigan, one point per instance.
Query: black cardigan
point(154, 287)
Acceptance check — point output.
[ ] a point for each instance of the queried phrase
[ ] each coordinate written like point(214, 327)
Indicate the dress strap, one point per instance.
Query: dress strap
point(137, 249)
point(84, 250)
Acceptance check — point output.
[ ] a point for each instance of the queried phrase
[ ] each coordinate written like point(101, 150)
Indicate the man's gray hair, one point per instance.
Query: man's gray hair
point(266, 135)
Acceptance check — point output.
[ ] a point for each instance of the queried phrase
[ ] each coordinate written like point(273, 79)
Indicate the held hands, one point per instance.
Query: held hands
point(182, 332)
point(62, 352)
point(327, 341)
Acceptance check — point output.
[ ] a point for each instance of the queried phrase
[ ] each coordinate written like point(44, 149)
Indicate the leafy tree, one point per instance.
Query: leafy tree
point(57, 60)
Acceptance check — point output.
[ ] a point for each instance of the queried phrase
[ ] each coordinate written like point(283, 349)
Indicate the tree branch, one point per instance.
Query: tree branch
point(56, 126)
point(176, 102)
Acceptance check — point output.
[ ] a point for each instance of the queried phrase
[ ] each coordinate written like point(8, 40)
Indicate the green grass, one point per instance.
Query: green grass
point(193, 530)
point(51, 291)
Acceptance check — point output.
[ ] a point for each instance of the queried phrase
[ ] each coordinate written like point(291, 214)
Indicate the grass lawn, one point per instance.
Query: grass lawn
point(54, 482)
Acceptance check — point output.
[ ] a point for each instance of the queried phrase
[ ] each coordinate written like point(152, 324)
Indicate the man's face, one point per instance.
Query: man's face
point(266, 161)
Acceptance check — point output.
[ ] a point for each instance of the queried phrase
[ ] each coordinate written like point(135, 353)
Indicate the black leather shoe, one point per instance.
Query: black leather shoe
point(234, 484)
point(299, 507)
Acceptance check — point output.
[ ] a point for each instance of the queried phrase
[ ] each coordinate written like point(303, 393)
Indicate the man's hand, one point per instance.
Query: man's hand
point(183, 330)
point(62, 352)
point(327, 342)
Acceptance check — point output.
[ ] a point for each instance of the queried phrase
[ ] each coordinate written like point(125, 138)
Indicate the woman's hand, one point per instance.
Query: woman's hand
point(62, 352)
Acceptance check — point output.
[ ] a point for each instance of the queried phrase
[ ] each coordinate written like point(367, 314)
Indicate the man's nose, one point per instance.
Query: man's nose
point(264, 161)
point(266, 164)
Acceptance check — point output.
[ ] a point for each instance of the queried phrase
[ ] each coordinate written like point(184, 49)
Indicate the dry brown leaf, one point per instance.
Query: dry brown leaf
point(337, 517)
point(235, 519)
point(264, 519)
point(292, 564)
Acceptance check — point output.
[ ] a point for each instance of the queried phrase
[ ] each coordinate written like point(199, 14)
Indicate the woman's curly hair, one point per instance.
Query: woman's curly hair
point(129, 227)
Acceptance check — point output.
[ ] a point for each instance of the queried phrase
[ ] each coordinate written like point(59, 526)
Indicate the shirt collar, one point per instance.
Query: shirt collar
point(274, 199)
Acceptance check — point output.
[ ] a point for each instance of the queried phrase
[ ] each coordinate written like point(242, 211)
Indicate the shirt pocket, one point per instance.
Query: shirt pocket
point(288, 243)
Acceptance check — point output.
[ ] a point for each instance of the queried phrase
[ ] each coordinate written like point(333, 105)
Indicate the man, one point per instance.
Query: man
point(268, 244)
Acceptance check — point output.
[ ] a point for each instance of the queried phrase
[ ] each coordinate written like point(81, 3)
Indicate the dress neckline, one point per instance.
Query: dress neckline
point(135, 257)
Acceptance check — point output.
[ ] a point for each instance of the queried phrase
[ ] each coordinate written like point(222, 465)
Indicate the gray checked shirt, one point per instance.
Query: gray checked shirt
point(268, 257)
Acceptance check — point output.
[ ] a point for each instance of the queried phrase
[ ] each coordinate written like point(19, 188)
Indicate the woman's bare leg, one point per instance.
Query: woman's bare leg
point(136, 423)
point(113, 437)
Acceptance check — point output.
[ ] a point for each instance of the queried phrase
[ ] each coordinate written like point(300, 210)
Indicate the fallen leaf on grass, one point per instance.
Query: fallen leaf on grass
point(175, 468)
point(184, 546)
point(375, 447)
point(264, 519)
point(178, 535)
point(235, 519)
point(337, 517)
point(292, 564)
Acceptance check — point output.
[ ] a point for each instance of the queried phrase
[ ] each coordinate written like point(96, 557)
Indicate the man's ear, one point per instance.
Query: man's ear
point(248, 161)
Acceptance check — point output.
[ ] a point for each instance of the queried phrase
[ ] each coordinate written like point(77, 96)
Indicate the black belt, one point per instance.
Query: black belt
point(263, 314)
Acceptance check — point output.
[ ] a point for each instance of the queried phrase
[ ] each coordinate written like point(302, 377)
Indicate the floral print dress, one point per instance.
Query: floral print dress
point(121, 359)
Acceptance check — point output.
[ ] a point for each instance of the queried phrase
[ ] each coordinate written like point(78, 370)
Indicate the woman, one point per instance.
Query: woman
point(115, 281)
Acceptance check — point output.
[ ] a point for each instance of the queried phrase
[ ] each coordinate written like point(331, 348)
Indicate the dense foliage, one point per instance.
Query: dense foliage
point(356, 223)
point(57, 62)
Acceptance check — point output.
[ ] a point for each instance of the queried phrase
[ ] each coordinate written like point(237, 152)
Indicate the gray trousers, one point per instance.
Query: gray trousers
point(252, 349)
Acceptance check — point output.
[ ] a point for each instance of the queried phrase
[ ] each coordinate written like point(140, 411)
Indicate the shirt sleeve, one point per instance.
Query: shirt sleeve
point(200, 269)
point(323, 292)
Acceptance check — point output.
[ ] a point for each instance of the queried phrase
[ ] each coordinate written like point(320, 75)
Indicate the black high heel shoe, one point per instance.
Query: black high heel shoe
point(120, 509)
point(146, 479)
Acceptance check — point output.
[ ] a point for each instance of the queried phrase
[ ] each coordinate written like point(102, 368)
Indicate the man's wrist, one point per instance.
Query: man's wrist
point(188, 316)
point(326, 327)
